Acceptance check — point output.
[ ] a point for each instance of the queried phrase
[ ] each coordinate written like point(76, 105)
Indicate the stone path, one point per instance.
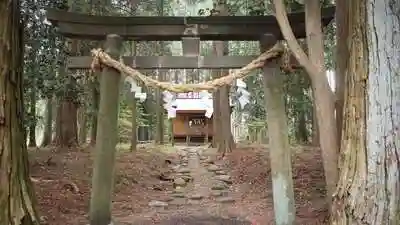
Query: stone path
point(200, 186)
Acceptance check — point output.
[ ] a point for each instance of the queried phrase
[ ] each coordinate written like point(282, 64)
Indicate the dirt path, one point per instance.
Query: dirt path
point(191, 190)
point(201, 193)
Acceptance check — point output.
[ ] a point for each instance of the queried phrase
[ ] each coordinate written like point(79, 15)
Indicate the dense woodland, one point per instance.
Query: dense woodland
point(353, 121)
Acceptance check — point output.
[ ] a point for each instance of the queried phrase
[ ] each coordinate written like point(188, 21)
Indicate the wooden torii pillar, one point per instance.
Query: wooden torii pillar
point(223, 28)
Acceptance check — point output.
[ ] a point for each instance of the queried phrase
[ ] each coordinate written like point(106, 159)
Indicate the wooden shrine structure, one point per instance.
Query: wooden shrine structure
point(191, 124)
point(189, 30)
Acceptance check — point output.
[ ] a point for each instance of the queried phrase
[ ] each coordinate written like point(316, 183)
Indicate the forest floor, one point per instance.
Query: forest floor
point(236, 190)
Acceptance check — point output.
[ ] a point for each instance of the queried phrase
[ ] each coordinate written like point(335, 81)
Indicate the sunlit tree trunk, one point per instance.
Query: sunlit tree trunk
point(17, 205)
point(369, 186)
point(223, 110)
point(67, 108)
point(342, 56)
point(48, 131)
point(82, 124)
point(33, 119)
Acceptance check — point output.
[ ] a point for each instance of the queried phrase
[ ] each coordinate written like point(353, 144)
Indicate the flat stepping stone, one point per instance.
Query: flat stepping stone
point(216, 193)
point(219, 186)
point(183, 170)
point(184, 158)
point(224, 178)
point(178, 201)
point(155, 203)
point(213, 168)
point(179, 181)
point(221, 172)
point(178, 195)
point(196, 197)
point(192, 150)
point(209, 160)
point(203, 158)
point(179, 190)
point(167, 199)
point(182, 153)
point(225, 200)
point(187, 178)
point(194, 202)
point(176, 168)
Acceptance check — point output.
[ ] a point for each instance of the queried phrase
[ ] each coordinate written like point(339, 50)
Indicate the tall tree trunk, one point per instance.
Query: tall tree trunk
point(17, 202)
point(95, 108)
point(342, 57)
point(32, 113)
point(315, 130)
point(82, 124)
point(216, 117)
point(159, 137)
point(369, 186)
point(100, 7)
point(302, 133)
point(315, 67)
point(226, 142)
point(67, 131)
point(48, 126)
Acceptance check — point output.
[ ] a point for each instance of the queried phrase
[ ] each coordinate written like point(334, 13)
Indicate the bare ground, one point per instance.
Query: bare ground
point(62, 183)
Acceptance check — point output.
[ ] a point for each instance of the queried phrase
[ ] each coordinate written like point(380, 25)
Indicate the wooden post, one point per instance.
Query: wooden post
point(280, 155)
point(107, 135)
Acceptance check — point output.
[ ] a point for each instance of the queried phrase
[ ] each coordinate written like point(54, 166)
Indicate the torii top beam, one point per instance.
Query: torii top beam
point(167, 28)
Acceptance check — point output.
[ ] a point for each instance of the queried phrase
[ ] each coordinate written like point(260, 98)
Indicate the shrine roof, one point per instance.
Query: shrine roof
point(190, 104)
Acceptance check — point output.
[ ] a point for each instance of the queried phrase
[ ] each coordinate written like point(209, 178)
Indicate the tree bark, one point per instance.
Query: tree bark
point(67, 129)
point(342, 56)
point(159, 137)
point(17, 203)
point(82, 124)
point(48, 126)
point(302, 133)
point(95, 109)
point(315, 130)
point(216, 117)
point(33, 119)
point(66, 132)
point(226, 142)
point(324, 98)
point(369, 186)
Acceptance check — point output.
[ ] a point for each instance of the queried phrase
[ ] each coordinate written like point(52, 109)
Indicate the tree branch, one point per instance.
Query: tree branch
point(287, 32)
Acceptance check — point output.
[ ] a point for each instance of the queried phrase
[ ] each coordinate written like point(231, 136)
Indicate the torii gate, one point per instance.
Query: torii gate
point(191, 30)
